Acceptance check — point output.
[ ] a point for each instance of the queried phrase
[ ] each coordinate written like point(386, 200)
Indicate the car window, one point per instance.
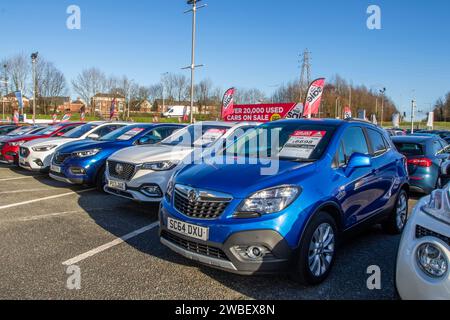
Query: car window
point(67, 129)
point(341, 161)
point(378, 143)
point(410, 149)
point(354, 141)
point(436, 147)
point(78, 132)
point(164, 132)
point(107, 129)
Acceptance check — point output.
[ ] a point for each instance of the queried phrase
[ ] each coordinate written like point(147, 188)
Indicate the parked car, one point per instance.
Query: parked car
point(84, 162)
point(147, 169)
point(177, 112)
point(425, 155)
point(11, 148)
point(5, 129)
point(9, 144)
point(36, 155)
point(424, 252)
point(333, 177)
point(396, 132)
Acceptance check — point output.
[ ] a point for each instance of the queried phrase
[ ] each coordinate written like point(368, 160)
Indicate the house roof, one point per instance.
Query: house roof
point(109, 95)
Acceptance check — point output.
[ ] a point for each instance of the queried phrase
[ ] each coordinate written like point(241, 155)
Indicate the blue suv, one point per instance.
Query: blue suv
point(331, 177)
point(84, 162)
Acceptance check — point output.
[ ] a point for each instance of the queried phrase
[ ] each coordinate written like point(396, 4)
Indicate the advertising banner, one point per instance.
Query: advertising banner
point(396, 120)
point(430, 123)
point(314, 97)
point(16, 117)
point(265, 112)
point(112, 110)
point(19, 100)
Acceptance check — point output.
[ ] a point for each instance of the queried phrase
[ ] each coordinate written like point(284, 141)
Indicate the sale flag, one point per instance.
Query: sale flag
point(16, 117)
point(314, 98)
point(54, 117)
point(185, 114)
point(19, 98)
point(112, 110)
point(66, 117)
point(347, 113)
point(228, 103)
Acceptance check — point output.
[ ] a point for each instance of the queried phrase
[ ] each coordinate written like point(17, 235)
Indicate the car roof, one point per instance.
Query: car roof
point(413, 139)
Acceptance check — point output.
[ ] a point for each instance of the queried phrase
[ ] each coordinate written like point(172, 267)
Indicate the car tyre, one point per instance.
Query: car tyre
point(317, 250)
point(100, 181)
point(396, 221)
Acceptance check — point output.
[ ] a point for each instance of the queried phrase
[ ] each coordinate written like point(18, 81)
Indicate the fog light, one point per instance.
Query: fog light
point(253, 253)
point(432, 260)
point(152, 191)
point(77, 171)
point(39, 163)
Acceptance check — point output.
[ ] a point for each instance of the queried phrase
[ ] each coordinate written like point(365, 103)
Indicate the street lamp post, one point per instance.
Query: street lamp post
point(5, 81)
point(193, 66)
point(34, 57)
point(163, 91)
point(383, 92)
point(413, 107)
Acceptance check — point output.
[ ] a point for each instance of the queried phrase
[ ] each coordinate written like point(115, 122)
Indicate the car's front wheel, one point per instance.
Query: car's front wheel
point(317, 250)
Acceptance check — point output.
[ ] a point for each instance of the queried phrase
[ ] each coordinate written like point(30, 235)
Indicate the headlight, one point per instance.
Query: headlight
point(44, 148)
point(16, 144)
point(439, 205)
point(85, 154)
point(170, 188)
point(431, 260)
point(270, 200)
point(160, 166)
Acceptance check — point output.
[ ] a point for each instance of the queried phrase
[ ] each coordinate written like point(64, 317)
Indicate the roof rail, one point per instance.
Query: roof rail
point(357, 120)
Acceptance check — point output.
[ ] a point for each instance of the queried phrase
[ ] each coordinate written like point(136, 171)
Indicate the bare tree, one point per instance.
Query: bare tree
point(202, 93)
point(88, 83)
point(18, 70)
point(51, 85)
point(249, 96)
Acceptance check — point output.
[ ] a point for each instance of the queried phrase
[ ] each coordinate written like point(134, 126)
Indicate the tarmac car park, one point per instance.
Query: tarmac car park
point(114, 243)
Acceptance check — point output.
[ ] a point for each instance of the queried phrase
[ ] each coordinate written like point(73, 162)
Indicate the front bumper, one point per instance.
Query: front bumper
point(142, 179)
point(90, 167)
point(412, 282)
point(9, 155)
point(225, 256)
point(36, 161)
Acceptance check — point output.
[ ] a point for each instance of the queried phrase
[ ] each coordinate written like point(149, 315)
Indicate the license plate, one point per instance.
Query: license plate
point(188, 229)
point(118, 185)
point(55, 169)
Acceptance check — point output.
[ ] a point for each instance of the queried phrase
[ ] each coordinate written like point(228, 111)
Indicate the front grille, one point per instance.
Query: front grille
point(24, 152)
point(422, 232)
point(198, 208)
point(195, 247)
point(59, 158)
point(126, 170)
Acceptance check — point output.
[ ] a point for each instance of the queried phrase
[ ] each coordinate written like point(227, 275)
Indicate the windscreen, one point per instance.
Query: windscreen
point(78, 132)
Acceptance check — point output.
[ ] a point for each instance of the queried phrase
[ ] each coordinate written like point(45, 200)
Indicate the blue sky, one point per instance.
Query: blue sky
point(247, 43)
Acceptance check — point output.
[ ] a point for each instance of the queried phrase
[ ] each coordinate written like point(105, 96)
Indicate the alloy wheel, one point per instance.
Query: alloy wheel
point(402, 211)
point(321, 250)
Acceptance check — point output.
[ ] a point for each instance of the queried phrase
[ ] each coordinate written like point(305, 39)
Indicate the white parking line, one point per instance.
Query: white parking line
point(109, 245)
point(45, 198)
point(26, 190)
point(19, 178)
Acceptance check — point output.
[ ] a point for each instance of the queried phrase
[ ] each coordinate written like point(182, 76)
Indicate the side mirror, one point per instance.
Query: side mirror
point(94, 136)
point(358, 160)
point(148, 140)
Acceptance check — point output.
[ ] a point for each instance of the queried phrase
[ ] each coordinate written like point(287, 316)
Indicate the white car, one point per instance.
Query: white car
point(424, 253)
point(142, 173)
point(36, 155)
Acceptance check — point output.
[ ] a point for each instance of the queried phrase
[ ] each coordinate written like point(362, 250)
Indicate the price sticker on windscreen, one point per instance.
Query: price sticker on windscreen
point(210, 136)
point(301, 144)
point(130, 134)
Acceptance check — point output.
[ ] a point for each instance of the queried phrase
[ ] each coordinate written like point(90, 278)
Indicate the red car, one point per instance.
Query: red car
point(10, 145)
